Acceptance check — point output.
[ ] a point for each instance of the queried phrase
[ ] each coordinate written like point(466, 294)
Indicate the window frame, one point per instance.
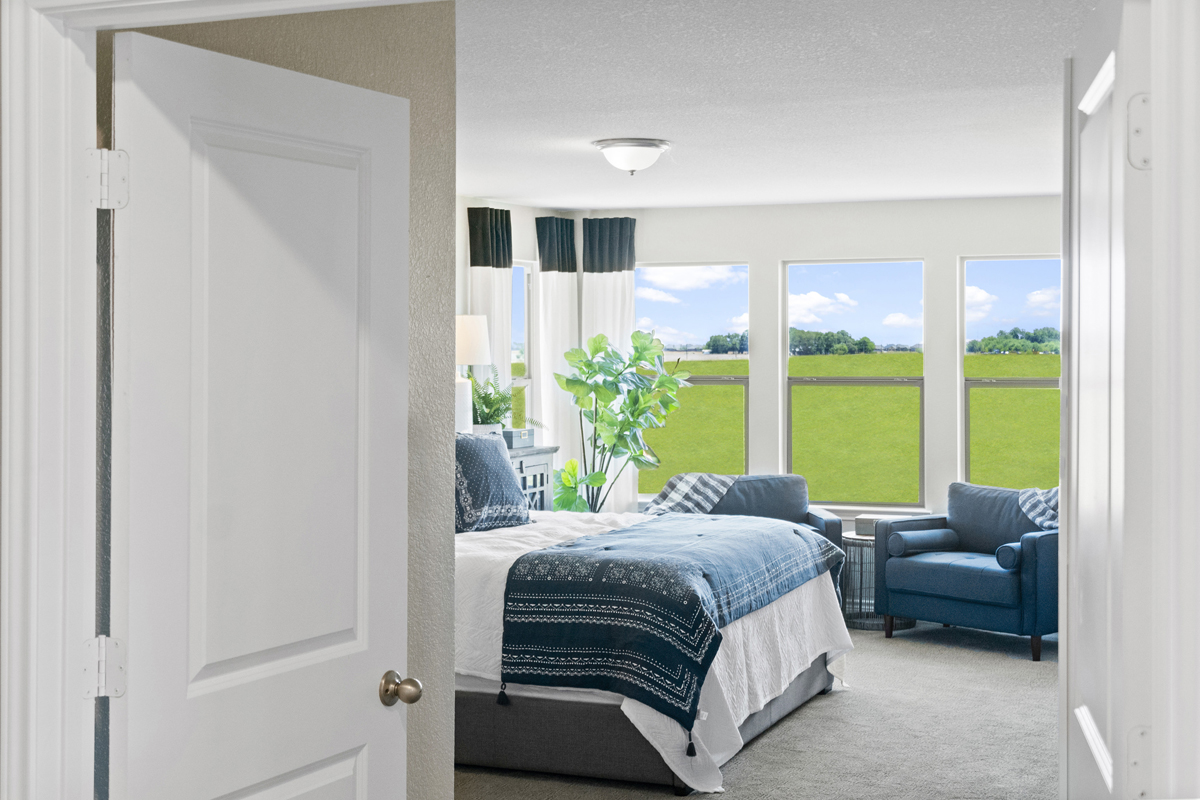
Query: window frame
point(710, 380)
point(852, 380)
point(994, 383)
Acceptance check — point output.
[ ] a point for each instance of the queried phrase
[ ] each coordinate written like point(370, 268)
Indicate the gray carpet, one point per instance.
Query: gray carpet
point(932, 713)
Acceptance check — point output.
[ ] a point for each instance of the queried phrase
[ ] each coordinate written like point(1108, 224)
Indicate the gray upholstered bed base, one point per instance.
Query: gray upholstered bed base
point(594, 740)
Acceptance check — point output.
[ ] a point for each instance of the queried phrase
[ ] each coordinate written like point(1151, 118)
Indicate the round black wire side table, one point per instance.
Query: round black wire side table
point(858, 586)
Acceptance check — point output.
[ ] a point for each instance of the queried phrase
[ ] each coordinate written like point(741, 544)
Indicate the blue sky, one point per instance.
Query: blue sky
point(1012, 294)
point(880, 301)
point(518, 305)
point(883, 301)
point(686, 305)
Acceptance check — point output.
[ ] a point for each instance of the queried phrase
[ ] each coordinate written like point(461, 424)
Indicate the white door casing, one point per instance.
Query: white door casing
point(1108, 524)
point(260, 407)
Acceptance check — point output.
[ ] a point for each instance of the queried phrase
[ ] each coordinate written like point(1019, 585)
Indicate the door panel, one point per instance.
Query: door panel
point(260, 511)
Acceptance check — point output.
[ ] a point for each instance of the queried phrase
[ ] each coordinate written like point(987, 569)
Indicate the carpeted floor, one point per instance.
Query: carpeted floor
point(932, 713)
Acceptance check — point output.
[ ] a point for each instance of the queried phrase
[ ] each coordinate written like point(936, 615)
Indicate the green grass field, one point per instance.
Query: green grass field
point(1014, 437)
point(861, 443)
point(518, 415)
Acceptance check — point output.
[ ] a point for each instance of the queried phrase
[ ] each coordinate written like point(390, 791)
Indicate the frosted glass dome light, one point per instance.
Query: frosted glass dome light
point(630, 155)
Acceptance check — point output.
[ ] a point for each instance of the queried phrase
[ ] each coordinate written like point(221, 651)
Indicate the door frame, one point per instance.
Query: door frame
point(48, 370)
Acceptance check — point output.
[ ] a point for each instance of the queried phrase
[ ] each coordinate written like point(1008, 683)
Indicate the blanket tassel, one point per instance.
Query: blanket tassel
point(691, 751)
point(502, 698)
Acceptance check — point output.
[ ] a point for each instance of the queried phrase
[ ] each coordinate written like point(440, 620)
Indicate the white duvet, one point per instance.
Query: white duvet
point(760, 654)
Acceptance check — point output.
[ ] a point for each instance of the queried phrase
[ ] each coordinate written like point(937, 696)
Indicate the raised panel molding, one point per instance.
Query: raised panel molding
point(339, 777)
point(253, 520)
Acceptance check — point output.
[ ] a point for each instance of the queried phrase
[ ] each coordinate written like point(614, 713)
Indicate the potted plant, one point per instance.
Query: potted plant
point(492, 406)
point(618, 398)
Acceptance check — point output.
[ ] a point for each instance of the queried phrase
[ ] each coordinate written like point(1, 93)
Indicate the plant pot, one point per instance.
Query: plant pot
point(484, 429)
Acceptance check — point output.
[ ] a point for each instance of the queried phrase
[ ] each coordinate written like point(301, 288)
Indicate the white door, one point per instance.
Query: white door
point(1105, 622)
point(260, 384)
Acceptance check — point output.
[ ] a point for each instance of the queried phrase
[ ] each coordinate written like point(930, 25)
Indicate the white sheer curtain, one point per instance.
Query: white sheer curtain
point(557, 319)
point(555, 322)
point(491, 295)
point(607, 307)
point(490, 285)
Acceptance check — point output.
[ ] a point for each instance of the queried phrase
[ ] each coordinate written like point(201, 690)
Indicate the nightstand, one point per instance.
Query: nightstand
point(535, 469)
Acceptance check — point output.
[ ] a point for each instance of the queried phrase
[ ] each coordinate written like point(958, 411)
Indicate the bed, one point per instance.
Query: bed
point(769, 662)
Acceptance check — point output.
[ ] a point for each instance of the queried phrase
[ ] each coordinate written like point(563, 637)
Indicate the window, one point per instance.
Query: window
point(701, 314)
point(1011, 370)
point(855, 381)
point(520, 339)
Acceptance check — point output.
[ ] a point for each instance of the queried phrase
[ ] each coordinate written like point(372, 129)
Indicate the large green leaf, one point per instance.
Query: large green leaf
point(597, 344)
point(575, 386)
point(595, 479)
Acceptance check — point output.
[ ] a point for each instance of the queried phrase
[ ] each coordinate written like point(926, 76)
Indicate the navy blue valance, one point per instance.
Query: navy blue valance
point(608, 244)
point(491, 237)
point(556, 244)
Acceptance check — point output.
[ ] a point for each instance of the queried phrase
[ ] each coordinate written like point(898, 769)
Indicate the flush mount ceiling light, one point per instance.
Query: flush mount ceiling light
point(630, 155)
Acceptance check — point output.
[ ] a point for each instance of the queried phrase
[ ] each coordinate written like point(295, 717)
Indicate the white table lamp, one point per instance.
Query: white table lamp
point(471, 346)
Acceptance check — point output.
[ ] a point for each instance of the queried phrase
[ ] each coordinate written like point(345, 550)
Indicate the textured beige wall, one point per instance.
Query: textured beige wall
point(407, 51)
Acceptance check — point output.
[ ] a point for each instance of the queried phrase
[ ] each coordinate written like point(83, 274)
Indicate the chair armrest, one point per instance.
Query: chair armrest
point(1008, 556)
point(906, 543)
point(828, 523)
point(883, 529)
point(1039, 582)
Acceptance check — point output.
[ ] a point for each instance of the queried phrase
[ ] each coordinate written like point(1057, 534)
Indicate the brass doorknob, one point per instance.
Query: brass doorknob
point(392, 688)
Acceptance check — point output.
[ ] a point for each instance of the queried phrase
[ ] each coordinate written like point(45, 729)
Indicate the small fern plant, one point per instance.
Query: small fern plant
point(493, 405)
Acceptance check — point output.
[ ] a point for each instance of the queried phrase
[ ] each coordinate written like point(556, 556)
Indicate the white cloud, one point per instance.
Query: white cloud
point(1043, 302)
point(739, 323)
point(806, 309)
point(978, 303)
point(682, 279)
point(672, 336)
point(654, 295)
point(669, 335)
point(899, 320)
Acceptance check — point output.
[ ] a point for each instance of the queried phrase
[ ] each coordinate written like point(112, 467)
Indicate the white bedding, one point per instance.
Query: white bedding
point(760, 655)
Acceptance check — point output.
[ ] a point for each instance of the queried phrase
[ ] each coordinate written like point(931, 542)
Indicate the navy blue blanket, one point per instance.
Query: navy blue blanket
point(637, 611)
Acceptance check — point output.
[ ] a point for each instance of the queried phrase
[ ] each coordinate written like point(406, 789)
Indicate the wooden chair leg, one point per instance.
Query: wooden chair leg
point(1035, 645)
point(889, 623)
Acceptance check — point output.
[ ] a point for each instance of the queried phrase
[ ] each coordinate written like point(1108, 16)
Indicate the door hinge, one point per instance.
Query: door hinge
point(1138, 140)
point(104, 668)
point(108, 178)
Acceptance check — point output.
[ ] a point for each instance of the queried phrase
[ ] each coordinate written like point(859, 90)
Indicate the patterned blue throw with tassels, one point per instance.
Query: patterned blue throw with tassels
point(638, 611)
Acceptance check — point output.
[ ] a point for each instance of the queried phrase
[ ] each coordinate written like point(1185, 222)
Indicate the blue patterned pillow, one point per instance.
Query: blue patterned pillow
point(487, 493)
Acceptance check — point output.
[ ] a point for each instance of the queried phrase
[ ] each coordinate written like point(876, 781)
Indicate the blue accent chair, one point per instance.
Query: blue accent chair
point(983, 565)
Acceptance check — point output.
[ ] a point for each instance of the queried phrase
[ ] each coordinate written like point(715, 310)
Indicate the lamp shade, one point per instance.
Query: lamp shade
point(630, 155)
point(471, 342)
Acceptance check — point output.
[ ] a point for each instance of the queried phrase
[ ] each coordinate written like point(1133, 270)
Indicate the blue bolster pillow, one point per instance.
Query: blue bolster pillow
point(907, 543)
point(1008, 556)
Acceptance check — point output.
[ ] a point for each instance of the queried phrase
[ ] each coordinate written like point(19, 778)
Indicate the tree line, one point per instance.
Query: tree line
point(1042, 340)
point(826, 343)
point(728, 343)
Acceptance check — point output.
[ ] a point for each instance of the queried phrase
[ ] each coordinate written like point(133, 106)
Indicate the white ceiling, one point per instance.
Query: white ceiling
point(766, 101)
